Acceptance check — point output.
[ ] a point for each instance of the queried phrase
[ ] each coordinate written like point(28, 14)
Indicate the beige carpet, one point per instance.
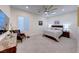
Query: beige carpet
point(39, 44)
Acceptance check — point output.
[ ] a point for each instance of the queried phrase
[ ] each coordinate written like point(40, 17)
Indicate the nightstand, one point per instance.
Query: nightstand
point(66, 34)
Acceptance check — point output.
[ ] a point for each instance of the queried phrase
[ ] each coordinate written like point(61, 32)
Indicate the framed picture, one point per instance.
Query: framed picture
point(40, 23)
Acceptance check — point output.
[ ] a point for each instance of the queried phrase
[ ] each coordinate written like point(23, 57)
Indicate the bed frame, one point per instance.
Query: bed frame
point(51, 37)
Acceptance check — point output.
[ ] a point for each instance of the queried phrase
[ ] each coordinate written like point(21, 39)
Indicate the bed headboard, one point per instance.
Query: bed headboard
point(59, 26)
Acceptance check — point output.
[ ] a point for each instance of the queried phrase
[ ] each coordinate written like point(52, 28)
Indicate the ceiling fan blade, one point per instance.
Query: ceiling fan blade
point(47, 8)
point(55, 9)
point(51, 6)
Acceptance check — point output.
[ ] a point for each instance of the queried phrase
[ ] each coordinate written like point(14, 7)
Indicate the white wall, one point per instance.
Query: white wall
point(5, 9)
point(77, 37)
point(68, 18)
point(33, 20)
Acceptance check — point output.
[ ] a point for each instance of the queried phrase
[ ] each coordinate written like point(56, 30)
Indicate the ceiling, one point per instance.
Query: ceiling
point(51, 9)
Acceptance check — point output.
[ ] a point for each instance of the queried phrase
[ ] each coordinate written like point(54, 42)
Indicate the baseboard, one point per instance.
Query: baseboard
point(35, 34)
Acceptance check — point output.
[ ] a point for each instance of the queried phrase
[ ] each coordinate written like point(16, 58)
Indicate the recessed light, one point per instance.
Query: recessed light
point(54, 13)
point(27, 7)
point(46, 12)
point(62, 9)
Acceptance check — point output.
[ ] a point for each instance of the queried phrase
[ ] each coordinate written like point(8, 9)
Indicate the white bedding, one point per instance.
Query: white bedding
point(53, 33)
point(2, 36)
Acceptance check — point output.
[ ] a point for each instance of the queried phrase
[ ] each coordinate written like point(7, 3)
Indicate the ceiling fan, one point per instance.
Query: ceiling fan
point(50, 8)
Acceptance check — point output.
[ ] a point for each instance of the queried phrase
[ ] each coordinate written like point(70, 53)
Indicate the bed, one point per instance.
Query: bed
point(54, 32)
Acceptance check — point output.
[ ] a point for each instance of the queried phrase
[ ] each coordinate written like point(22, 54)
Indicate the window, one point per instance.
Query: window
point(66, 27)
point(27, 23)
point(2, 21)
point(23, 23)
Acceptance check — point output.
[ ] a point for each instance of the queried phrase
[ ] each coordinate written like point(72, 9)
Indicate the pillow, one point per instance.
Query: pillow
point(56, 28)
point(59, 28)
